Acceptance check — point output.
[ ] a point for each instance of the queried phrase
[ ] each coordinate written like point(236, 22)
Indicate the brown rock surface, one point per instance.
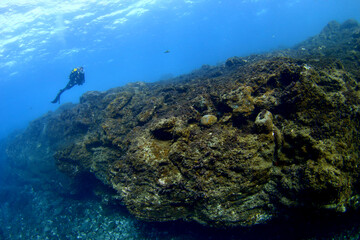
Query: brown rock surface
point(286, 137)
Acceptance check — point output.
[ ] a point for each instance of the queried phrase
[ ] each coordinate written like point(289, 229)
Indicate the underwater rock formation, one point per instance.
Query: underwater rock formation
point(232, 145)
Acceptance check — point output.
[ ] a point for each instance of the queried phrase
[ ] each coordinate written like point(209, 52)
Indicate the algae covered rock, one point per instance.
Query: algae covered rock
point(208, 120)
point(233, 145)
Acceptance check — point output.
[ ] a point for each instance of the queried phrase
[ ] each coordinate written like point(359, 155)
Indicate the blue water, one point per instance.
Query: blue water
point(124, 41)
point(118, 42)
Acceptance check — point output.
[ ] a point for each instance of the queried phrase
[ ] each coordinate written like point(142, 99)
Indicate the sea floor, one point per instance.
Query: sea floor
point(38, 210)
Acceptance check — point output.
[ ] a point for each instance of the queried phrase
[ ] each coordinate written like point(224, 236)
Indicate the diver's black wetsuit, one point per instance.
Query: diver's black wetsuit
point(77, 77)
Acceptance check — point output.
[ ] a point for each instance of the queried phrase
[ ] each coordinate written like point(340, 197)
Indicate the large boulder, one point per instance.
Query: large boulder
point(233, 145)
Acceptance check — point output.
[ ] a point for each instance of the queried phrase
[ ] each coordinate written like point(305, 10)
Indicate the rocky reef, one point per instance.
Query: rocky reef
point(239, 144)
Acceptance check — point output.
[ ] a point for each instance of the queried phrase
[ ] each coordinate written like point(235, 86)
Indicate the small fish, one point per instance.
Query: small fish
point(167, 51)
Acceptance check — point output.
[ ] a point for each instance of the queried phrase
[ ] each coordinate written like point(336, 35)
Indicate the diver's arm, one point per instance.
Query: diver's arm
point(81, 79)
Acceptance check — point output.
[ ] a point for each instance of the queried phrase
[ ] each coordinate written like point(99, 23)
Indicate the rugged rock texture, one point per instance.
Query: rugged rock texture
point(233, 145)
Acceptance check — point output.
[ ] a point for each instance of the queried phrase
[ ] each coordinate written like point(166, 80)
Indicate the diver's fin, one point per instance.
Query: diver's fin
point(57, 98)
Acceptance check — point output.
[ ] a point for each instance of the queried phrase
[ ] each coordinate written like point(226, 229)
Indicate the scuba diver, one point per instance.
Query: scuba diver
point(76, 77)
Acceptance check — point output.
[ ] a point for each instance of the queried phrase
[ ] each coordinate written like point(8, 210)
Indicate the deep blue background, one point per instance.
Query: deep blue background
point(113, 54)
